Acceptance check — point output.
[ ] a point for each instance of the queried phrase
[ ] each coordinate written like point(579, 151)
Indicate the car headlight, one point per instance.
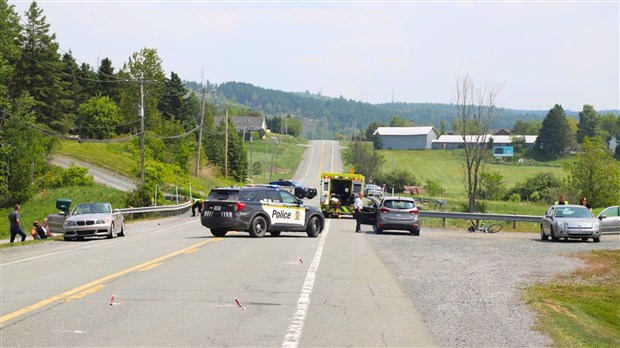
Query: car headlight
point(596, 225)
point(69, 223)
point(101, 221)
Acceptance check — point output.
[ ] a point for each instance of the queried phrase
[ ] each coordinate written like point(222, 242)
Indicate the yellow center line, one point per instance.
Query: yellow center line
point(74, 291)
point(149, 267)
point(86, 292)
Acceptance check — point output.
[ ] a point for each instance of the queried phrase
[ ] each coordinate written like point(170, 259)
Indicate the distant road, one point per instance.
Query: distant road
point(100, 175)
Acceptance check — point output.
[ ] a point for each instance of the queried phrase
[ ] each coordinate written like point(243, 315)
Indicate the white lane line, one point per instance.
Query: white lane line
point(309, 161)
point(291, 340)
point(94, 245)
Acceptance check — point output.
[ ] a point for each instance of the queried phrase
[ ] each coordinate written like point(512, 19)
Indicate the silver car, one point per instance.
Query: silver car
point(398, 213)
point(570, 221)
point(610, 219)
point(94, 220)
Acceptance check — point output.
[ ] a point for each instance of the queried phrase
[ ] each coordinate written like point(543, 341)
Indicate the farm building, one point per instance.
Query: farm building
point(245, 124)
point(456, 141)
point(406, 138)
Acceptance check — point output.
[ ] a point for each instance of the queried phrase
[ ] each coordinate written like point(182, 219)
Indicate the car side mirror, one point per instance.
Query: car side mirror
point(419, 208)
point(116, 211)
point(602, 216)
point(548, 216)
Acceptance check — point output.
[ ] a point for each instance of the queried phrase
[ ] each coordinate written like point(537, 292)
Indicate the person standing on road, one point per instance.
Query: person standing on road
point(15, 227)
point(357, 206)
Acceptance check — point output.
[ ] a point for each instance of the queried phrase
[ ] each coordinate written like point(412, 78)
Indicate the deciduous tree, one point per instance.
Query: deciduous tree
point(475, 113)
point(596, 174)
point(588, 123)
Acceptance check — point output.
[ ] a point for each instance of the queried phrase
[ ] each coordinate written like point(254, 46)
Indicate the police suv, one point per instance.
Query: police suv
point(258, 210)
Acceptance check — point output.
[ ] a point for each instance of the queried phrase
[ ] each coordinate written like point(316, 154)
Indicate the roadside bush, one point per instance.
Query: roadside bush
point(492, 185)
point(73, 176)
point(481, 207)
point(515, 197)
point(396, 179)
point(433, 187)
point(540, 183)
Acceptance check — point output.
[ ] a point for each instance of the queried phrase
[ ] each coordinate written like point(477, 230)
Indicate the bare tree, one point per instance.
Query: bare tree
point(475, 114)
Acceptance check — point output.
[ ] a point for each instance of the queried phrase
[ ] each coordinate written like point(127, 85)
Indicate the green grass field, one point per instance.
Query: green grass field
point(446, 167)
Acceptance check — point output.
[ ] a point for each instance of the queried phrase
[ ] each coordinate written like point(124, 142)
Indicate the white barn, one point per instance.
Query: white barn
point(456, 141)
point(406, 138)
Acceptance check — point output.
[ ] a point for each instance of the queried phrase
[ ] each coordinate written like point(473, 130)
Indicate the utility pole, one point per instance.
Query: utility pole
point(226, 147)
point(251, 166)
point(142, 129)
point(202, 117)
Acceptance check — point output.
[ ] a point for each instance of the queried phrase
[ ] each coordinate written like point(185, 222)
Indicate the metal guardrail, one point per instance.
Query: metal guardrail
point(163, 210)
point(477, 217)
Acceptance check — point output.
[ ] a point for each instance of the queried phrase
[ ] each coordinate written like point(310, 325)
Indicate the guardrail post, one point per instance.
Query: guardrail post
point(444, 222)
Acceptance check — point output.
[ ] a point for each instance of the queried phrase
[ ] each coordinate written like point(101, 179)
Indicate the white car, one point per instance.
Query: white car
point(94, 220)
point(373, 190)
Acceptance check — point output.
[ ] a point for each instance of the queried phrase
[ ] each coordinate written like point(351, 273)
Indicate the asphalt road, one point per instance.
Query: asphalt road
point(171, 283)
point(100, 175)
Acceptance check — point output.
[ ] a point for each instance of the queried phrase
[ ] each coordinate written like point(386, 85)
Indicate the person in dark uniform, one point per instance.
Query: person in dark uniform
point(197, 205)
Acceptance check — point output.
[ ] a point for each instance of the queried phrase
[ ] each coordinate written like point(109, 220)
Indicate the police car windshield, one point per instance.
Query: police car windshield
point(223, 195)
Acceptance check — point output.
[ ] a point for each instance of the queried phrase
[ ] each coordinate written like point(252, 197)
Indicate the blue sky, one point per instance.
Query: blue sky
point(541, 53)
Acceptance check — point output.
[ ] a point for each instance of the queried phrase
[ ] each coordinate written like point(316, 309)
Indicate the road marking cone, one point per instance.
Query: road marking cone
point(300, 260)
point(239, 304)
point(112, 300)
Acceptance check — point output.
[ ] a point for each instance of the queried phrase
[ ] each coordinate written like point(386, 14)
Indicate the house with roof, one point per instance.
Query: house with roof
point(245, 124)
point(406, 138)
point(451, 141)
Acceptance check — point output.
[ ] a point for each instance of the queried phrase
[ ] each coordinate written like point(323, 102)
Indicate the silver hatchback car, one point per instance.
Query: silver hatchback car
point(570, 221)
point(398, 213)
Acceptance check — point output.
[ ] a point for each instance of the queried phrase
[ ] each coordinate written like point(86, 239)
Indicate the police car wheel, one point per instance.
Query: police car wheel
point(314, 227)
point(218, 232)
point(258, 227)
point(275, 233)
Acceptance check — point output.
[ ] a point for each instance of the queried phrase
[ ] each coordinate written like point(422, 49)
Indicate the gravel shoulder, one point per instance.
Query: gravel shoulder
point(468, 286)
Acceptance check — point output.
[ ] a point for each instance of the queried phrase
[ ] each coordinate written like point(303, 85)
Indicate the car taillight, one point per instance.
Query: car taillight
point(414, 211)
point(239, 206)
point(384, 210)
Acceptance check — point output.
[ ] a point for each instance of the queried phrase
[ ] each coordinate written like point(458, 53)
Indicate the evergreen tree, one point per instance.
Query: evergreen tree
point(554, 135)
point(175, 105)
point(108, 84)
point(10, 52)
point(588, 123)
point(39, 72)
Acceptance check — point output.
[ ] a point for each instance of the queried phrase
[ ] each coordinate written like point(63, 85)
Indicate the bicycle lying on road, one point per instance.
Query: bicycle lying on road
point(494, 228)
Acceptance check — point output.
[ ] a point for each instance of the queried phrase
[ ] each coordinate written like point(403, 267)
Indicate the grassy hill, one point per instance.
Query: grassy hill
point(445, 166)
